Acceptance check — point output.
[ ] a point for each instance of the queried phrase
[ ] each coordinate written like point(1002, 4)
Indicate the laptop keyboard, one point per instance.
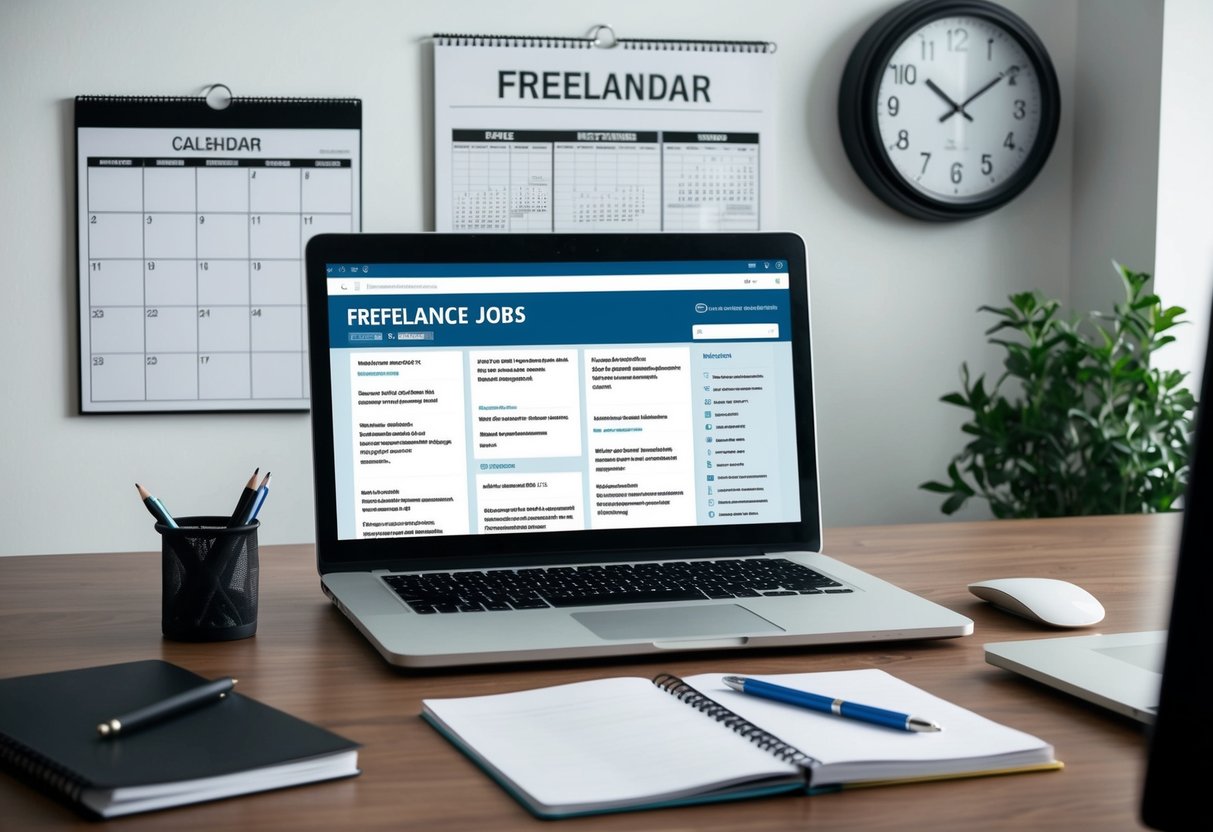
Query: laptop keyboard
point(628, 583)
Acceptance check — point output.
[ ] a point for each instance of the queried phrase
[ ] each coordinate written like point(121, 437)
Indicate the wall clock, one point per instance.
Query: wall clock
point(948, 108)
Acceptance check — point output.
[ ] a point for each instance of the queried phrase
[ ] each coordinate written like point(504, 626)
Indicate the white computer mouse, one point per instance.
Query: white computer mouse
point(1043, 600)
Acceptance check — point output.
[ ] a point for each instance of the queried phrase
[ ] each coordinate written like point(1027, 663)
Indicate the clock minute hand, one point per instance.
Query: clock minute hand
point(956, 108)
point(981, 91)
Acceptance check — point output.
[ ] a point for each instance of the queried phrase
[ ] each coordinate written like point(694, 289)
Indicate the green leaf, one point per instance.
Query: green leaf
point(954, 503)
point(937, 487)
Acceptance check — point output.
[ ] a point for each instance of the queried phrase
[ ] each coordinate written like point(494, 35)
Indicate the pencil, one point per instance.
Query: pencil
point(155, 507)
point(246, 497)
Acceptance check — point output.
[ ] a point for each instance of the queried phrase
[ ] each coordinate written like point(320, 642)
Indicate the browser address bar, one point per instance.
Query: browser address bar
point(555, 283)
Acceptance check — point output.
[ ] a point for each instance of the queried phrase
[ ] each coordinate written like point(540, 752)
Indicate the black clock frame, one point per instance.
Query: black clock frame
point(859, 92)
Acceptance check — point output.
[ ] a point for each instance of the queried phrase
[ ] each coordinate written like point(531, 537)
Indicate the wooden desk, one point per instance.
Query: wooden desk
point(68, 611)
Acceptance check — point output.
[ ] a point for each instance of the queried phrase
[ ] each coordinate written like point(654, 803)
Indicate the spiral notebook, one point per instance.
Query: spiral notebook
point(192, 217)
point(602, 133)
point(627, 743)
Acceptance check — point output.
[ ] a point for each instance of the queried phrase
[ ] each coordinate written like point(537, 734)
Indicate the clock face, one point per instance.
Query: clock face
point(958, 108)
point(948, 109)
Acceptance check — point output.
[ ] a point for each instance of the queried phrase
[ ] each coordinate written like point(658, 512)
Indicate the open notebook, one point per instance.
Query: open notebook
point(627, 743)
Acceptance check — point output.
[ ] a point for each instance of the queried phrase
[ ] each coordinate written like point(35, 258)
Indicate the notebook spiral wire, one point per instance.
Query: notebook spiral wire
point(739, 725)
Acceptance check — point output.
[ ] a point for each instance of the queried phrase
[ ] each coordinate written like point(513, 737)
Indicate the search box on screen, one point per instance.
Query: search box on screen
point(733, 332)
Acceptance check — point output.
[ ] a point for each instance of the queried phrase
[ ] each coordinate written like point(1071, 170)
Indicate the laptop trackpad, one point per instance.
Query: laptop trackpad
point(675, 622)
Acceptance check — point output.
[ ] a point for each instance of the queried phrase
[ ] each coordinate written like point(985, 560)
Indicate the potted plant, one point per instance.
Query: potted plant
point(1079, 422)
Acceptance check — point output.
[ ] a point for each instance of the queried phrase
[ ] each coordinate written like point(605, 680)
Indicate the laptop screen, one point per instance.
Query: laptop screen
point(554, 395)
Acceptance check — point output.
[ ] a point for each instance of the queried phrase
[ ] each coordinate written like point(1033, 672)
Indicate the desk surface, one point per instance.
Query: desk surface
point(68, 611)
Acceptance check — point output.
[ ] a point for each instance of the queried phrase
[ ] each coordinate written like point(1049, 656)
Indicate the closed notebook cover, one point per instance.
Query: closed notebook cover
point(53, 718)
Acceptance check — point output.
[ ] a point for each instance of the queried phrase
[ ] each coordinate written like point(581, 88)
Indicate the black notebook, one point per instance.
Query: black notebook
point(48, 736)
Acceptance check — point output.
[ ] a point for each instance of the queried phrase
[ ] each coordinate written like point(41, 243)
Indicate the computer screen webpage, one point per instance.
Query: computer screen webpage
point(555, 397)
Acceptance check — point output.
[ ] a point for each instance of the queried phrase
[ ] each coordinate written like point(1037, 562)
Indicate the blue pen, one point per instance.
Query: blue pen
point(255, 507)
point(828, 705)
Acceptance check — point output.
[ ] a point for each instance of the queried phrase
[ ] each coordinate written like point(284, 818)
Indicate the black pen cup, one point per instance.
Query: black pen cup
point(209, 579)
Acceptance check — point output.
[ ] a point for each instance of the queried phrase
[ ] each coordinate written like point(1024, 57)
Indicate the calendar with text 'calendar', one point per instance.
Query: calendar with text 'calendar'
point(549, 134)
point(192, 223)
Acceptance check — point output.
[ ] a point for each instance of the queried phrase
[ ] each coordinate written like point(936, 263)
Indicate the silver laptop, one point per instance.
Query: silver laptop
point(1120, 671)
point(551, 446)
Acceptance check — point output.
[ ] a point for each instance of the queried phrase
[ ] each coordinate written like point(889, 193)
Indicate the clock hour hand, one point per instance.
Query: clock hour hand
point(956, 108)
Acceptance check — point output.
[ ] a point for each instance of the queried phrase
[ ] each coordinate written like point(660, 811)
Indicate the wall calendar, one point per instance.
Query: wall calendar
point(602, 134)
point(191, 227)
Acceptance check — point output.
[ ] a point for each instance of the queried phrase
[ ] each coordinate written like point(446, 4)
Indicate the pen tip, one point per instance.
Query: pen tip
point(735, 682)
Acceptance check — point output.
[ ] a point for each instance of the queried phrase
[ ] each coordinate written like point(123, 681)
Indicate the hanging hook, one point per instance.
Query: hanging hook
point(607, 41)
point(218, 96)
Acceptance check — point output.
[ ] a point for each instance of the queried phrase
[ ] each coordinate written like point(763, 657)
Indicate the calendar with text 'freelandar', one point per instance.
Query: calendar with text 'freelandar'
point(569, 135)
point(192, 223)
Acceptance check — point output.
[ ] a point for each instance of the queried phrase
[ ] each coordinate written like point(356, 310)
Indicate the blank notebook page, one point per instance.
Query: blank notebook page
point(602, 741)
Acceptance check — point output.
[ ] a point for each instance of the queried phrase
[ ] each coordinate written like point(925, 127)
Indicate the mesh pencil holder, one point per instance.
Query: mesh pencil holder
point(209, 579)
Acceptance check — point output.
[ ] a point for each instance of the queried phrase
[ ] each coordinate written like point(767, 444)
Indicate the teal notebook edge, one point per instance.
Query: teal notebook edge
point(49, 740)
point(694, 800)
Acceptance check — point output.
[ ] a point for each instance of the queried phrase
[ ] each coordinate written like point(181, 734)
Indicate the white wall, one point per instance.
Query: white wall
point(894, 299)
point(1184, 270)
point(1115, 110)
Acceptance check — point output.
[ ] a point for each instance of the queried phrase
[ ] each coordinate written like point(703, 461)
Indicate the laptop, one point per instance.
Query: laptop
point(534, 447)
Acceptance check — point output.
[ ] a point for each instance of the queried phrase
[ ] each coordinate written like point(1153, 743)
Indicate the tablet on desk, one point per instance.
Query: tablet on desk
point(1120, 671)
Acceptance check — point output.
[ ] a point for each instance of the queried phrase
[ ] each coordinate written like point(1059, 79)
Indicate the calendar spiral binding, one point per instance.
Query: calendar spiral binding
point(524, 41)
point(765, 740)
point(632, 44)
point(195, 99)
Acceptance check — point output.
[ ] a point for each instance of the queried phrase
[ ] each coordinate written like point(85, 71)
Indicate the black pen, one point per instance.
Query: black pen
point(246, 497)
point(156, 507)
point(186, 700)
